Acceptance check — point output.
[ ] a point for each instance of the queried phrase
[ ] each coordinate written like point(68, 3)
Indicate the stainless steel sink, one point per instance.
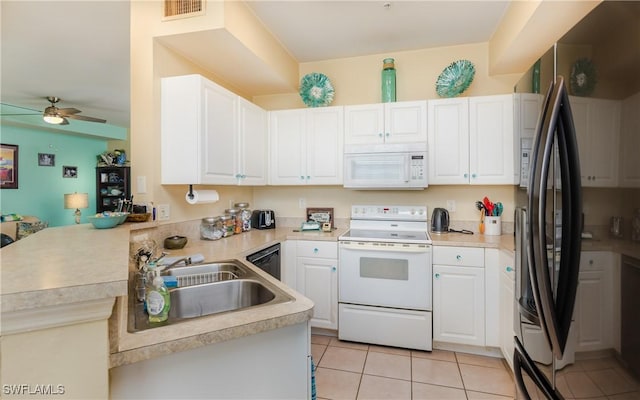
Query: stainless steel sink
point(209, 289)
point(217, 297)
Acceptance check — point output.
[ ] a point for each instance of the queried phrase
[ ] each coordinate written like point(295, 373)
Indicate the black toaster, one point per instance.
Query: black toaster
point(263, 219)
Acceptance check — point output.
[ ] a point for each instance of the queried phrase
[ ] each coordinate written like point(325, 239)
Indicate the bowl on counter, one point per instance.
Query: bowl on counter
point(100, 221)
point(175, 242)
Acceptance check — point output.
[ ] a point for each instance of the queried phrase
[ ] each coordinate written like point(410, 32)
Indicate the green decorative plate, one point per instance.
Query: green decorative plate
point(316, 90)
point(583, 77)
point(455, 79)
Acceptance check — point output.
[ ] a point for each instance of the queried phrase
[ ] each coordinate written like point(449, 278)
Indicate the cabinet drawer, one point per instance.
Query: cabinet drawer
point(317, 249)
point(463, 256)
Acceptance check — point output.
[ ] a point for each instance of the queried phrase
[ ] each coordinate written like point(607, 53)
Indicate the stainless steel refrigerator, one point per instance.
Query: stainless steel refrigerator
point(548, 246)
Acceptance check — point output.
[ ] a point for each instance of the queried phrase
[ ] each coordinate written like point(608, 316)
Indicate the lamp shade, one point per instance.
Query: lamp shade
point(76, 200)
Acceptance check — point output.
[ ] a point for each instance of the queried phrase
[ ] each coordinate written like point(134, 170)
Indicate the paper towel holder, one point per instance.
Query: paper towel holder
point(190, 194)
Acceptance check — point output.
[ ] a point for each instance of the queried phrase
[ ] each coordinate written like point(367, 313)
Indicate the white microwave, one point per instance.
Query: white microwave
point(386, 166)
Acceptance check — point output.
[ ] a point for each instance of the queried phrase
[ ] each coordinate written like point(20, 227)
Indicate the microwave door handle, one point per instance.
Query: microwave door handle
point(407, 168)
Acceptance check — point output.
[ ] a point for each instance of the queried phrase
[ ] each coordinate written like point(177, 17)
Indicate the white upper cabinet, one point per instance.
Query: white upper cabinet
point(471, 140)
point(448, 147)
point(208, 134)
point(399, 122)
point(252, 154)
point(597, 125)
point(306, 146)
point(630, 142)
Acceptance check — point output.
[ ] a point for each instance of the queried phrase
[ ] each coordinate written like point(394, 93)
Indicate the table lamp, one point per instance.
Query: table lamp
point(77, 201)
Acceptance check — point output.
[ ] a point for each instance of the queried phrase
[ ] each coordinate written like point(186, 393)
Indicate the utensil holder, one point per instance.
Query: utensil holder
point(492, 226)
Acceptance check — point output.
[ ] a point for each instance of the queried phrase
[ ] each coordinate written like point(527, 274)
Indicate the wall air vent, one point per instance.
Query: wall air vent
point(174, 9)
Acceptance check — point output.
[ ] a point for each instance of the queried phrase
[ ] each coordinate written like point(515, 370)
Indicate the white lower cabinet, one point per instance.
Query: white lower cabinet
point(594, 311)
point(507, 305)
point(458, 295)
point(317, 279)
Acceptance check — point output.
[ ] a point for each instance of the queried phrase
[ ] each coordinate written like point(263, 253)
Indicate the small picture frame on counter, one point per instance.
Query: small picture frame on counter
point(321, 215)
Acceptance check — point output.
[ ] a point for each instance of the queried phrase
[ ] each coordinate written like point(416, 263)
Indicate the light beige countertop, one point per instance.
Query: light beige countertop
point(64, 265)
point(502, 242)
point(127, 347)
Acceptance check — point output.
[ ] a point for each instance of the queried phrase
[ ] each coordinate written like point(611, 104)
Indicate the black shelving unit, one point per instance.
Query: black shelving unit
point(112, 184)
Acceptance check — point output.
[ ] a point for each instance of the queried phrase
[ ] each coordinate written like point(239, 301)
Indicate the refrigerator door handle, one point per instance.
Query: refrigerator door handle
point(555, 309)
point(523, 363)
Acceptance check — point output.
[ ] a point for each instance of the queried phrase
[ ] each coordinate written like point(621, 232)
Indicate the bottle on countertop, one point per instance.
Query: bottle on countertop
point(157, 297)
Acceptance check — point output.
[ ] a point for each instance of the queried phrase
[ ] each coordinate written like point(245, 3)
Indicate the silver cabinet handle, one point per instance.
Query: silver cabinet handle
point(459, 257)
point(437, 276)
point(509, 269)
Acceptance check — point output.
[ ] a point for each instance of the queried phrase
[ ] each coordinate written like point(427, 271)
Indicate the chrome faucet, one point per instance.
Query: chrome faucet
point(173, 265)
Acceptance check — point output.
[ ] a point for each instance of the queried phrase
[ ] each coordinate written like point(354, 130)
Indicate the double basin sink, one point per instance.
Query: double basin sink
point(208, 289)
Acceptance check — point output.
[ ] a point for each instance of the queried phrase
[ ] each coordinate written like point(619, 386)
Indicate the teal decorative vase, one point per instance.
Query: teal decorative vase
point(388, 81)
point(535, 77)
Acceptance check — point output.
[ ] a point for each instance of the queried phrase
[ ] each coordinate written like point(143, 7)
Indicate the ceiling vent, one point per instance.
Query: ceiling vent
point(174, 9)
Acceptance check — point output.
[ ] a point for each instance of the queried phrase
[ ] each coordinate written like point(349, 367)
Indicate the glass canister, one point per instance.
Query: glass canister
point(234, 213)
point(229, 224)
point(388, 80)
point(211, 228)
point(244, 216)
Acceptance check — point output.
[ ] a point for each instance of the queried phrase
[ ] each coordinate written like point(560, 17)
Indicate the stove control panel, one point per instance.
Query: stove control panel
point(400, 213)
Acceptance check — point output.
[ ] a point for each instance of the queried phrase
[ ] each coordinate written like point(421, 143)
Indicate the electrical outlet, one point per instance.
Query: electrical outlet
point(302, 202)
point(451, 205)
point(163, 212)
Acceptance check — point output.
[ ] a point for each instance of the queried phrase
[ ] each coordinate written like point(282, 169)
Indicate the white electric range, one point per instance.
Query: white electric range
point(385, 288)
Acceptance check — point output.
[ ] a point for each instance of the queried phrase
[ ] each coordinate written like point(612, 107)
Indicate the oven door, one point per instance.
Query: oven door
point(385, 274)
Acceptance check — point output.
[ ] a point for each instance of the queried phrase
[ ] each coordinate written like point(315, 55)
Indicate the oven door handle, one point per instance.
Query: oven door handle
point(396, 248)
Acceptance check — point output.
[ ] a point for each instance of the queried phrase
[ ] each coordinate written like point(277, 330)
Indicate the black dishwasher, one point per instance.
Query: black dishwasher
point(267, 260)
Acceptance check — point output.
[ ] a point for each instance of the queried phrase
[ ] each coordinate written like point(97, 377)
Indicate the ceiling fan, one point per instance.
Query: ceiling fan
point(59, 116)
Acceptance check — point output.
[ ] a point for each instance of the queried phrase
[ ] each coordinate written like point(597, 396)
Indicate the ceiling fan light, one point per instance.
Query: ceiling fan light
point(53, 119)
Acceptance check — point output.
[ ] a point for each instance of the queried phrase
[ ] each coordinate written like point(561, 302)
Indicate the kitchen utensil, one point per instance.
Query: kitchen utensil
point(488, 205)
point(497, 211)
point(463, 231)
point(480, 206)
point(440, 220)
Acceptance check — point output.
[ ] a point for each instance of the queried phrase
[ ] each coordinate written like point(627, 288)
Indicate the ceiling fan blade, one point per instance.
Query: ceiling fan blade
point(83, 118)
point(64, 122)
point(9, 115)
point(68, 111)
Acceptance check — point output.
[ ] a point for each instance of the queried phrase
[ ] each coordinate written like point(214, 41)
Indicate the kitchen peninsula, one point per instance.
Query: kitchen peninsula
point(58, 299)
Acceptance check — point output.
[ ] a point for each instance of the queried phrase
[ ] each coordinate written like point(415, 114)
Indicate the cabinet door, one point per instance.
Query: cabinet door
point(325, 129)
point(507, 306)
point(492, 298)
point(491, 154)
point(458, 304)
point(288, 146)
point(448, 122)
point(630, 142)
point(252, 153)
point(220, 143)
point(406, 122)
point(597, 125)
point(317, 279)
point(364, 124)
point(594, 303)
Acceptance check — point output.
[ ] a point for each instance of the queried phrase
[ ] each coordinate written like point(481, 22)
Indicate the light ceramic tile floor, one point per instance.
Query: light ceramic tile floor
point(347, 370)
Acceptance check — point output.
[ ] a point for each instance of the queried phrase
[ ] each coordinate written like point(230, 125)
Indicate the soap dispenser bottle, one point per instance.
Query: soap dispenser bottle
point(158, 299)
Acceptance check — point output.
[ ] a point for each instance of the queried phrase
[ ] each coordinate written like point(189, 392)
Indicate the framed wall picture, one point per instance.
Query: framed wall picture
point(320, 215)
point(69, 171)
point(46, 160)
point(8, 166)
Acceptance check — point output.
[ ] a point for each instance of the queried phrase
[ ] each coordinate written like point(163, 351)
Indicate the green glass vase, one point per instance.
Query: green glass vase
point(388, 81)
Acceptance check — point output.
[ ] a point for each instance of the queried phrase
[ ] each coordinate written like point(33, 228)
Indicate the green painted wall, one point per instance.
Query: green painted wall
point(41, 189)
